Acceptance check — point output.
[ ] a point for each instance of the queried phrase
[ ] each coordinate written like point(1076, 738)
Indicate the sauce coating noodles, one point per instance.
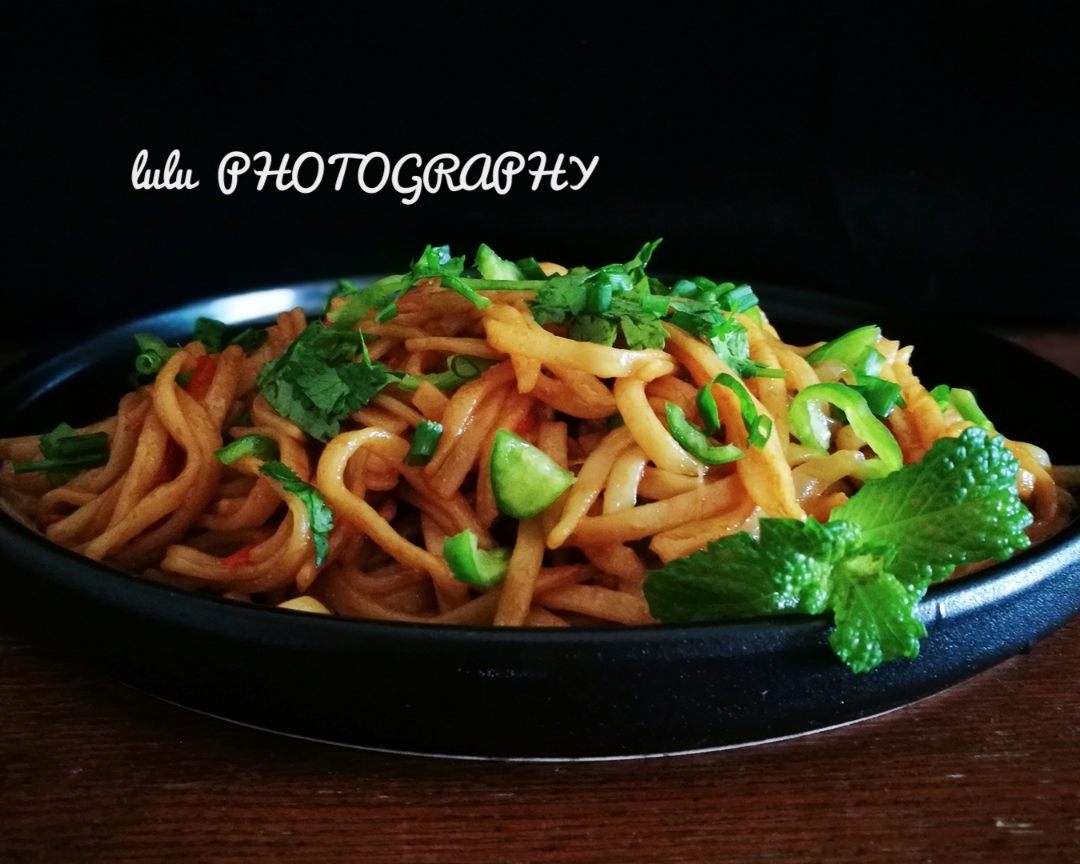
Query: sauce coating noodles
point(165, 506)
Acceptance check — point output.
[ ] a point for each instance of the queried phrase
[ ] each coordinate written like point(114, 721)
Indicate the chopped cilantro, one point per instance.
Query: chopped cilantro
point(317, 381)
point(319, 512)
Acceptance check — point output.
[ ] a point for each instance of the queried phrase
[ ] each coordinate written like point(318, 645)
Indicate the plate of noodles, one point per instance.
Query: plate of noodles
point(525, 511)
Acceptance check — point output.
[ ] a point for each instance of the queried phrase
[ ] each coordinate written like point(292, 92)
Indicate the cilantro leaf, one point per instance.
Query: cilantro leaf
point(958, 506)
point(319, 512)
point(641, 333)
point(436, 262)
point(593, 328)
point(316, 382)
point(211, 333)
point(599, 304)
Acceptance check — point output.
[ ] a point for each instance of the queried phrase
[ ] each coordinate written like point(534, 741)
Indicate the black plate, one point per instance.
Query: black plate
point(528, 693)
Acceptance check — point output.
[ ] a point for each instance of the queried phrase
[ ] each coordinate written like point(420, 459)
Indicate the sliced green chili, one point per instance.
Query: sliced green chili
point(964, 402)
point(808, 422)
point(758, 426)
point(848, 348)
point(695, 442)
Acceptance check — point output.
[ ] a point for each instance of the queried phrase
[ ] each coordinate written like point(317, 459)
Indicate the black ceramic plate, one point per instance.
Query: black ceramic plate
point(528, 693)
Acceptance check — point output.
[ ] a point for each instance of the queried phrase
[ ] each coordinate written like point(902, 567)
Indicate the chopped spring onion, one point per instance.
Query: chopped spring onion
point(460, 368)
point(424, 443)
point(258, 446)
point(67, 453)
point(695, 442)
point(940, 394)
point(154, 354)
point(491, 266)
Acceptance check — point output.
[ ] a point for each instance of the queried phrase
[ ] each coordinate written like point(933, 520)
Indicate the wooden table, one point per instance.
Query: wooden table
point(91, 770)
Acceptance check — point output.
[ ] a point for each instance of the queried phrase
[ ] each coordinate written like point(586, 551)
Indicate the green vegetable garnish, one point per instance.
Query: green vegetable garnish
point(425, 442)
point(597, 304)
point(491, 266)
point(250, 339)
point(940, 395)
point(964, 402)
point(758, 426)
point(473, 565)
point(319, 513)
point(250, 445)
point(524, 479)
point(66, 454)
point(809, 425)
point(871, 563)
point(153, 354)
point(210, 332)
point(378, 295)
point(459, 369)
point(695, 442)
point(848, 349)
point(317, 382)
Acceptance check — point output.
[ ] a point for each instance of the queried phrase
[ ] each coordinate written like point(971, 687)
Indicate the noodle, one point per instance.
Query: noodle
point(165, 505)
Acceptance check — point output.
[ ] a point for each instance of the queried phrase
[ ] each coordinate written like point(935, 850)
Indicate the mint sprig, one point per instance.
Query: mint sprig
point(871, 563)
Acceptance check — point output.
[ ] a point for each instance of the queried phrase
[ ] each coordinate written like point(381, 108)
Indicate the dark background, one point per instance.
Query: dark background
point(921, 159)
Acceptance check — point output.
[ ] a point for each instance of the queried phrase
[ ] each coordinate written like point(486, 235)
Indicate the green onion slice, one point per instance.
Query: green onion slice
point(258, 446)
point(210, 332)
point(940, 394)
point(154, 354)
point(460, 368)
point(66, 454)
point(425, 442)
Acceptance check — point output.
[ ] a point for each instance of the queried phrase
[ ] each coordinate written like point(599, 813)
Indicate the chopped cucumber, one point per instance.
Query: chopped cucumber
point(524, 478)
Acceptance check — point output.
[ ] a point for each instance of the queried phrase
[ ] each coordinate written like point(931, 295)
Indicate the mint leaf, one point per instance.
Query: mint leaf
point(874, 615)
point(871, 563)
point(958, 506)
point(787, 570)
point(319, 512)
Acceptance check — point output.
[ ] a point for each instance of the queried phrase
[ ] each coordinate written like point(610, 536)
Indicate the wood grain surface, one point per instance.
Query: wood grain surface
point(92, 771)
